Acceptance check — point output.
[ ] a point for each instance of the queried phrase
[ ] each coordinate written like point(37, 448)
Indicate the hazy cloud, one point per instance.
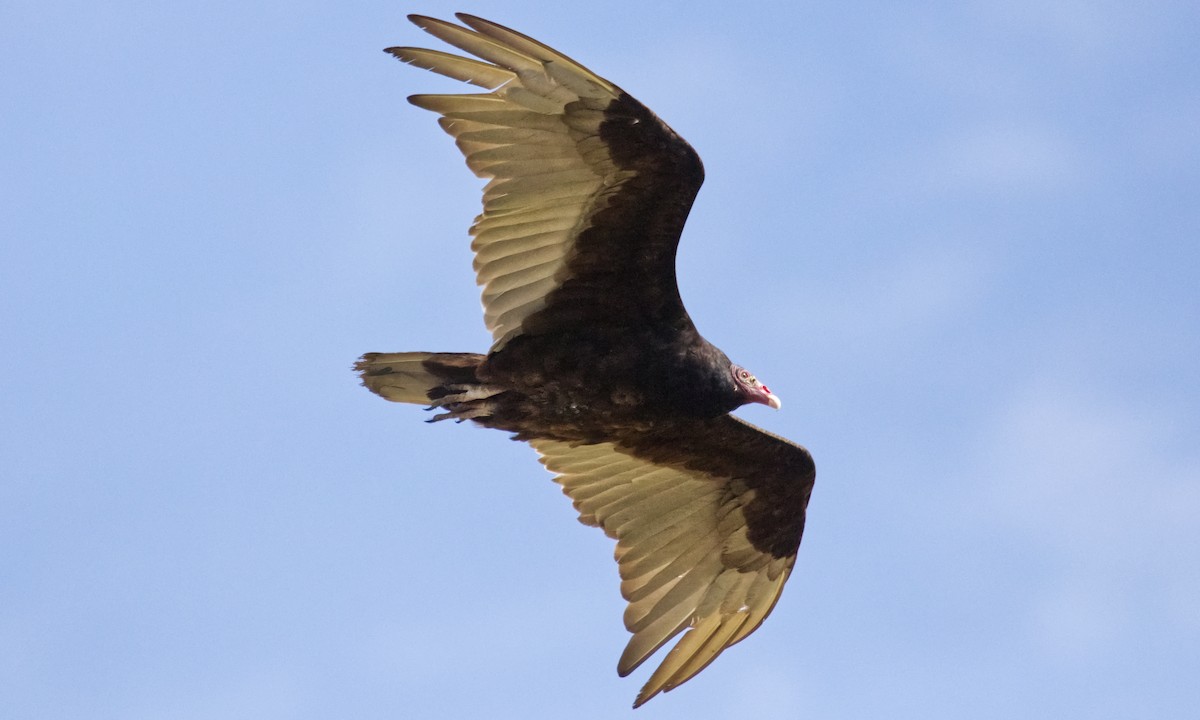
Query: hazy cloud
point(1098, 489)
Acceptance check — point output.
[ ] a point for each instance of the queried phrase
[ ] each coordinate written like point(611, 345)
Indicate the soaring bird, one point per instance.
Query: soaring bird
point(594, 361)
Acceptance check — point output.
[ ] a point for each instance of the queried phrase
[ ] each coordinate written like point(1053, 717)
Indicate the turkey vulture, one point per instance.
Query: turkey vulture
point(594, 361)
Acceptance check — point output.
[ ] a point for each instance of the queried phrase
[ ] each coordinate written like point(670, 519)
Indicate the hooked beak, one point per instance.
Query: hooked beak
point(763, 395)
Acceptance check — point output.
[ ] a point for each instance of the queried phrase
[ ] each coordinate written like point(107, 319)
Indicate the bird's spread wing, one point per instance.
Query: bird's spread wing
point(588, 189)
point(707, 517)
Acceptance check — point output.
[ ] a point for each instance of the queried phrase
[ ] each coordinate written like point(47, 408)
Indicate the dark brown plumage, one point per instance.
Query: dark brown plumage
point(595, 362)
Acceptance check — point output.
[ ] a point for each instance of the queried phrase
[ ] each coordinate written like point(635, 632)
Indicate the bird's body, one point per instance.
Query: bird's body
point(595, 361)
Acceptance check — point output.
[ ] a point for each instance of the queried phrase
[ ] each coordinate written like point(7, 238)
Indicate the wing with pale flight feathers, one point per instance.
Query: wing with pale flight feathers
point(577, 170)
point(707, 516)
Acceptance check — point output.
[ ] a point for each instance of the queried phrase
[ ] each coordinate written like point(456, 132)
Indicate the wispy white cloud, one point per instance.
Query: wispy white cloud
point(1076, 619)
point(1088, 33)
point(1167, 132)
point(1071, 463)
point(996, 156)
point(770, 690)
point(1097, 487)
point(931, 285)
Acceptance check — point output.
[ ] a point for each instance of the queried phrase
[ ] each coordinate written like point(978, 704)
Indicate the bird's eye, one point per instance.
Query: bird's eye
point(745, 375)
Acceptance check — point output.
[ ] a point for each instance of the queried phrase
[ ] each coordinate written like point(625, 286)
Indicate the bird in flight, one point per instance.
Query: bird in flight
point(594, 361)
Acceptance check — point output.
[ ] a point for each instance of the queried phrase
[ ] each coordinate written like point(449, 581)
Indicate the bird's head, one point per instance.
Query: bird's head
point(751, 390)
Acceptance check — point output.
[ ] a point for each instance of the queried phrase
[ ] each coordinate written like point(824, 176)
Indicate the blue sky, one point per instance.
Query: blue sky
point(960, 240)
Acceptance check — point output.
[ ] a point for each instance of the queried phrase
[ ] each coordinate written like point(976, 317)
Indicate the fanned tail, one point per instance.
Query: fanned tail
point(437, 380)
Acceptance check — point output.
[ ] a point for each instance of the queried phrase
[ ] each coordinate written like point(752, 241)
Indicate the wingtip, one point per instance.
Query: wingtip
point(643, 697)
point(478, 23)
point(428, 23)
point(425, 22)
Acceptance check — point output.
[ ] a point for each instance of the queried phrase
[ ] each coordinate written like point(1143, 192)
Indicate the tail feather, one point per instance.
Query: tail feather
point(416, 377)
